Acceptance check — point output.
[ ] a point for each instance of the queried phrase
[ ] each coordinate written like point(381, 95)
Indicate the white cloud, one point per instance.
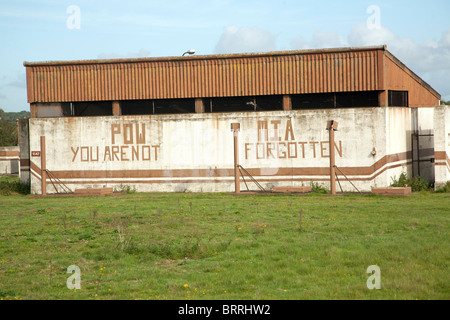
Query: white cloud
point(430, 59)
point(245, 40)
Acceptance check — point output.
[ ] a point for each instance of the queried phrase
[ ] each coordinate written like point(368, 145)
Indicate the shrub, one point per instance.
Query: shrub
point(124, 188)
point(445, 188)
point(416, 183)
point(10, 185)
point(316, 187)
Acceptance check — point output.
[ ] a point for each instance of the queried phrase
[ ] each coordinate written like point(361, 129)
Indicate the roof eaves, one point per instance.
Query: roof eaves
point(203, 57)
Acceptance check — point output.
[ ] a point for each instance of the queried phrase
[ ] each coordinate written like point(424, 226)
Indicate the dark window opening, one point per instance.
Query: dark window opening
point(173, 106)
point(397, 98)
point(232, 104)
point(313, 100)
point(95, 108)
point(160, 106)
point(136, 107)
point(269, 103)
point(335, 100)
point(244, 104)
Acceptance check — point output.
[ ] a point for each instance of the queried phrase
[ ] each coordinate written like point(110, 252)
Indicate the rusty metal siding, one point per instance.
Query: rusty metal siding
point(204, 76)
point(420, 94)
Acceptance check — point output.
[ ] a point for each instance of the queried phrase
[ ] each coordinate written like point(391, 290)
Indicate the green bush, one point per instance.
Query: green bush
point(445, 188)
point(10, 185)
point(123, 188)
point(316, 187)
point(416, 183)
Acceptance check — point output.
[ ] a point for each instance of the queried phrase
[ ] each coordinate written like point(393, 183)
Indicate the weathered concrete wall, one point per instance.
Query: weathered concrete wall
point(410, 143)
point(24, 144)
point(442, 145)
point(9, 160)
point(194, 152)
point(398, 143)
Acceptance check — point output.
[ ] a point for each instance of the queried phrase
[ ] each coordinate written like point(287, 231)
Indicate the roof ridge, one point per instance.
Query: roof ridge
point(204, 57)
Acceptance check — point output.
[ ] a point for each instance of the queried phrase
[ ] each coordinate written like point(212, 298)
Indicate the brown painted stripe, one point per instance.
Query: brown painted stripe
point(25, 162)
point(260, 172)
point(7, 153)
point(215, 174)
point(117, 174)
point(442, 156)
point(216, 180)
point(35, 170)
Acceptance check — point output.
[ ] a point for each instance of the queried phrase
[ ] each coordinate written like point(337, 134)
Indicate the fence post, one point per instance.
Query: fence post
point(235, 130)
point(43, 168)
point(331, 127)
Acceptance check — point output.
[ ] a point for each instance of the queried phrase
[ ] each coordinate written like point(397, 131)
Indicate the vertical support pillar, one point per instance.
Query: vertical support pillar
point(331, 127)
point(382, 80)
point(287, 104)
point(33, 111)
point(43, 168)
point(235, 129)
point(18, 133)
point(117, 110)
point(24, 150)
point(199, 106)
point(383, 98)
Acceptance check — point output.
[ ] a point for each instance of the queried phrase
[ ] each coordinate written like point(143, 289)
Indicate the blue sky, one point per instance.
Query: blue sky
point(417, 32)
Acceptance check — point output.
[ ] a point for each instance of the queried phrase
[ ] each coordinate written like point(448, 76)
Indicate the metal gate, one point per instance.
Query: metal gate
point(422, 150)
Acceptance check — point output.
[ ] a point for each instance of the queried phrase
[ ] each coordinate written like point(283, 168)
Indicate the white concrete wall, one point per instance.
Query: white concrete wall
point(194, 152)
point(398, 143)
point(9, 160)
point(442, 145)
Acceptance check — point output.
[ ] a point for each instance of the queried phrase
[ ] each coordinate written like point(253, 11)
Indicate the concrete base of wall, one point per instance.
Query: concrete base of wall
point(393, 191)
point(288, 189)
point(94, 192)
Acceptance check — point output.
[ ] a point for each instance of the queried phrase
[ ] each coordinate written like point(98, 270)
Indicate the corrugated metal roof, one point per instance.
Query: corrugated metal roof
point(271, 73)
point(203, 57)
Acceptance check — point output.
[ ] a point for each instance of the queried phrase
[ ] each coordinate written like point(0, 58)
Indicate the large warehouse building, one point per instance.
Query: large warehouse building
point(163, 124)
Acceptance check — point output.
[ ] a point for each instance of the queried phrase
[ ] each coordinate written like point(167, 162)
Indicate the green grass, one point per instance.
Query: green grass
point(220, 246)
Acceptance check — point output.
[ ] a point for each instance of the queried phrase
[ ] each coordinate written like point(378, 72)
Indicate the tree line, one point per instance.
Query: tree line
point(8, 127)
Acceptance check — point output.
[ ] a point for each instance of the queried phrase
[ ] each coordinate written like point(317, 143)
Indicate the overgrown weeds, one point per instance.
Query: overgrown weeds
point(124, 188)
point(417, 184)
point(125, 239)
point(12, 185)
point(316, 187)
point(445, 188)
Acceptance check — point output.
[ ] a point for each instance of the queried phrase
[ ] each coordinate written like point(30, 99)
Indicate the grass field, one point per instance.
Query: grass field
point(220, 246)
